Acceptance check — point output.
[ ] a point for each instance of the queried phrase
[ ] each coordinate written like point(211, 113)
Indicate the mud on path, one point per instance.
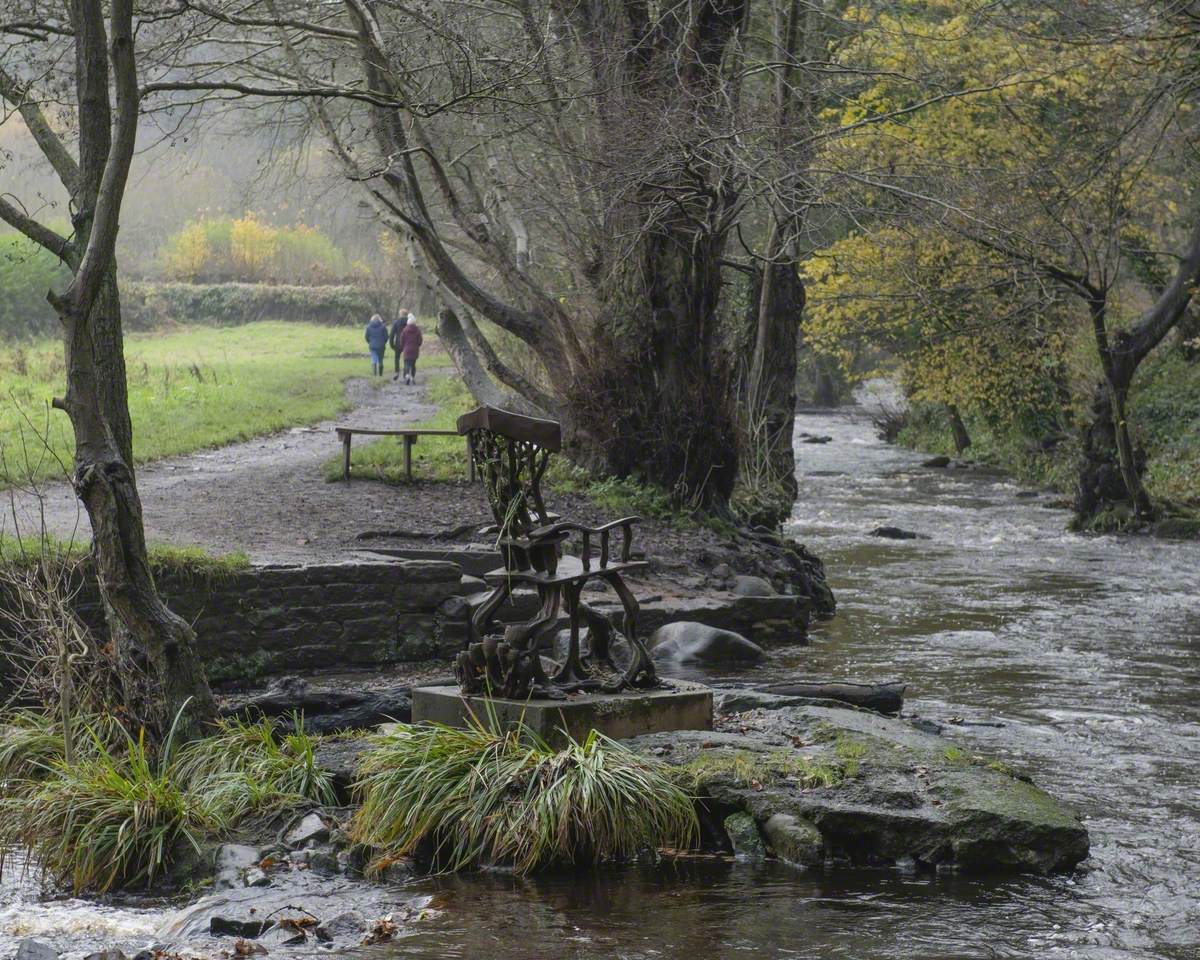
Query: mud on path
point(267, 496)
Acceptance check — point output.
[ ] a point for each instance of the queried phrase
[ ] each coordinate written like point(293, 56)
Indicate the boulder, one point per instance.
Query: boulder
point(896, 533)
point(743, 835)
point(235, 927)
point(31, 949)
point(311, 829)
point(687, 641)
point(231, 862)
point(747, 586)
point(256, 877)
point(346, 928)
point(936, 462)
point(876, 790)
point(795, 840)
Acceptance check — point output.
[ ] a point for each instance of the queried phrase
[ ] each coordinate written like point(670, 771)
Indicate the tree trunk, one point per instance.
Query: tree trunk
point(962, 439)
point(1104, 479)
point(827, 390)
point(655, 400)
point(155, 649)
point(768, 404)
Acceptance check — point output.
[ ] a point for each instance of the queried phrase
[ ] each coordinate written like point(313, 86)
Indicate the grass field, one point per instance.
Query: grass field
point(188, 389)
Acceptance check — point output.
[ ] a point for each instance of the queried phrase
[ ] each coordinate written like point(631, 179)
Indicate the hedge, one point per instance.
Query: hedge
point(147, 305)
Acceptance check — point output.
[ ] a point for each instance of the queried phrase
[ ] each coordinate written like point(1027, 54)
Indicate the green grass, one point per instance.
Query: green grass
point(116, 816)
point(189, 389)
point(484, 796)
point(746, 768)
point(165, 559)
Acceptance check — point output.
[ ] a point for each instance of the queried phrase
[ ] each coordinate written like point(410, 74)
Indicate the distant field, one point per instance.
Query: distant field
point(188, 389)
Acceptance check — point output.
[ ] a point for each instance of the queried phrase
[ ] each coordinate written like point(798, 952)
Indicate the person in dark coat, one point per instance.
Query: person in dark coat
point(394, 340)
point(410, 346)
point(377, 338)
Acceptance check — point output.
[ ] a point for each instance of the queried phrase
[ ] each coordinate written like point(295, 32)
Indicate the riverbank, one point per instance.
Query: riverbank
point(1164, 410)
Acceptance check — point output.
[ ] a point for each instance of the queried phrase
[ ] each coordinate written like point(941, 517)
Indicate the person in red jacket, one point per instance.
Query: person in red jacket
point(410, 346)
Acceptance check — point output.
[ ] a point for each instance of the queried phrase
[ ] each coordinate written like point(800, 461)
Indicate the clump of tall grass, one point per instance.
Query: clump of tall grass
point(113, 817)
point(109, 813)
point(257, 765)
point(483, 795)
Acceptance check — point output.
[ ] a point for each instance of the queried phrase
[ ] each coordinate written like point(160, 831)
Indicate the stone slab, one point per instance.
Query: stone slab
point(678, 705)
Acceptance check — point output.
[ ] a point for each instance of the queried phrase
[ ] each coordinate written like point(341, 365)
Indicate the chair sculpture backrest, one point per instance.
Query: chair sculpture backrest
point(511, 453)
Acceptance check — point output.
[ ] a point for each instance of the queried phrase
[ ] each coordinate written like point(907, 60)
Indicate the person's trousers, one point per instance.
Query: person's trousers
point(396, 360)
point(410, 368)
point(377, 362)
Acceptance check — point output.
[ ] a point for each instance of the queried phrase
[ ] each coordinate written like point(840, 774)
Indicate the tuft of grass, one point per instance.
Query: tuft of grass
point(30, 742)
point(196, 562)
point(114, 818)
point(482, 795)
point(746, 768)
point(256, 766)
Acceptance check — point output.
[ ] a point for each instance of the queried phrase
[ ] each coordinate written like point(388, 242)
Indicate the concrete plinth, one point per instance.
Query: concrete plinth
point(678, 705)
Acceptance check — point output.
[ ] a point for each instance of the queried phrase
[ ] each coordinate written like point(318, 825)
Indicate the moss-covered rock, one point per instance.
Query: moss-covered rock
point(825, 782)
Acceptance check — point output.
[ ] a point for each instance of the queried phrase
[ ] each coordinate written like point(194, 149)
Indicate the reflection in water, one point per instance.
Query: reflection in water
point(1085, 649)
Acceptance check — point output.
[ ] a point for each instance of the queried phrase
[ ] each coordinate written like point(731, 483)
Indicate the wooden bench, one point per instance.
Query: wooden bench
point(346, 434)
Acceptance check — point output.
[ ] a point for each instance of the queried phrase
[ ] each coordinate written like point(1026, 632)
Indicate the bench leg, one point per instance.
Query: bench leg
point(470, 460)
point(408, 442)
point(346, 457)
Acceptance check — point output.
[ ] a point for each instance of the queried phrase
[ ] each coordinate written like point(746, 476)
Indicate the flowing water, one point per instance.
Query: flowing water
point(1076, 660)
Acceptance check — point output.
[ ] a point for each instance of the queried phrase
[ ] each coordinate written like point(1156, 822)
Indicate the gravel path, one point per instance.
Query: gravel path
point(265, 496)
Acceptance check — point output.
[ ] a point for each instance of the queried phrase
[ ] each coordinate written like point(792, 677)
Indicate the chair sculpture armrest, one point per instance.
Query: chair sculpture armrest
point(604, 531)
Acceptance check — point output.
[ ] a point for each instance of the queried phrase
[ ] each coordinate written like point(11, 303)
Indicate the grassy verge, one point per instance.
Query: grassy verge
point(165, 559)
point(188, 389)
point(1164, 411)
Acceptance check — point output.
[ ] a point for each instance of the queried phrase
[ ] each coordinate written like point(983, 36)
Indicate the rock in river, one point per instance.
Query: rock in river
point(874, 789)
point(896, 533)
point(687, 641)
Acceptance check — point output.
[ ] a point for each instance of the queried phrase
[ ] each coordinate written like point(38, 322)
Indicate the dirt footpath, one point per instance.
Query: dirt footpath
point(269, 498)
point(266, 496)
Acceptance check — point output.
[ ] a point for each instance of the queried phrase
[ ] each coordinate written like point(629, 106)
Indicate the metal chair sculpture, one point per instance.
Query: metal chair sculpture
point(511, 453)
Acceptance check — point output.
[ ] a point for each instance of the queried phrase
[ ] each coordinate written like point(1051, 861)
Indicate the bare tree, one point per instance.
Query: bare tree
point(85, 67)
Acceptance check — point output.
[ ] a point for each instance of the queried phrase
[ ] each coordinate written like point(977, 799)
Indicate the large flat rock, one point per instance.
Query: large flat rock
point(877, 790)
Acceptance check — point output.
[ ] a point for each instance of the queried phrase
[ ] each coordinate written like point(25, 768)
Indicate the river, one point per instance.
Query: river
point(1074, 659)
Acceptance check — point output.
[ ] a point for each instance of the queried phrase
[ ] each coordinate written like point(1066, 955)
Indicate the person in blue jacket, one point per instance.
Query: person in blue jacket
point(377, 338)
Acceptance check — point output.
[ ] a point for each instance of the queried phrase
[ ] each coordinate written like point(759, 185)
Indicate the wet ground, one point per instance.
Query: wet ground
point(1074, 659)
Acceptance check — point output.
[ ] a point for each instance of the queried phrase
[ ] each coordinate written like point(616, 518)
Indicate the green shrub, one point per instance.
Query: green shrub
point(27, 274)
point(481, 795)
point(148, 305)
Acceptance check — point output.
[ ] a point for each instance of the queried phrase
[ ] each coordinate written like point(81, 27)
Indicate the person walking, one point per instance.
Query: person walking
point(410, 346)
point(377, 338)
point(394, 340)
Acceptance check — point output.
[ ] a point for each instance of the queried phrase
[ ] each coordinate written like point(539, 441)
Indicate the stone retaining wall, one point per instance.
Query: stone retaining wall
point(277, 619)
